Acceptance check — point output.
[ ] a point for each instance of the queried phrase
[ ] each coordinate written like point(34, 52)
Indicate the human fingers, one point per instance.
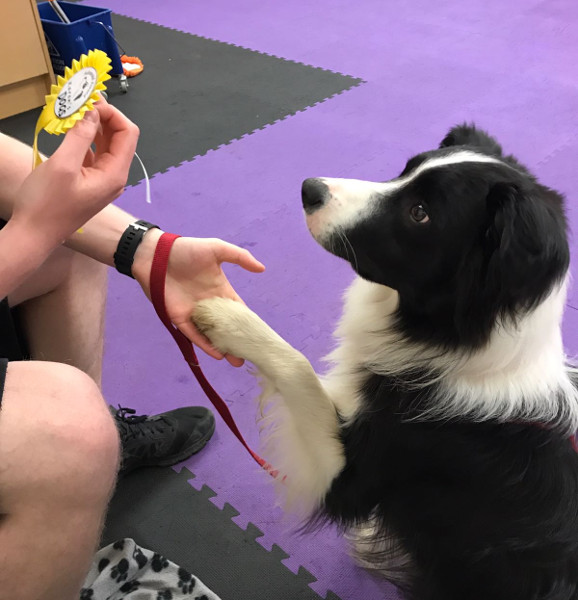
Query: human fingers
point(198, 339)
point(99, 141)
point(230, 253)
point(117, 143)
point(234, 361)
point(77, 141)
point(88, 158)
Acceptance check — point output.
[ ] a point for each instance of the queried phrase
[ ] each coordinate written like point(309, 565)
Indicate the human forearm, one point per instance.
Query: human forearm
point(99, 237)
point(15, 166)
point(22, 251)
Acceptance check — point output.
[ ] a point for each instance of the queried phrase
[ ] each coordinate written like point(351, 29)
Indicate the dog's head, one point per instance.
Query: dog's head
point(466, 235)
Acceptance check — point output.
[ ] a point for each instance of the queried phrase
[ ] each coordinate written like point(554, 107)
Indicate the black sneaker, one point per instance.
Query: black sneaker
point(162, 440)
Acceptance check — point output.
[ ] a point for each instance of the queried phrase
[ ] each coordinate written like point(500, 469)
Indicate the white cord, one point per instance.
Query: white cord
point(147, 181)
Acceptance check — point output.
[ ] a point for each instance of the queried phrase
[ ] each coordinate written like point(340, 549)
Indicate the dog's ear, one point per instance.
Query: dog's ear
point(525, 245)
point(469, 135)
point(523, 254)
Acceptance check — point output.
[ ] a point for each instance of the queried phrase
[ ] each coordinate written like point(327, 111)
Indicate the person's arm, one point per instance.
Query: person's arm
point(45, 206)
point(195, 265)
point(99, 236)
point(21, 253)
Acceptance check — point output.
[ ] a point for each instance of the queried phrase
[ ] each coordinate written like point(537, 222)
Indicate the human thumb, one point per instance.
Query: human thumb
point(78, 140)
point(230, 253)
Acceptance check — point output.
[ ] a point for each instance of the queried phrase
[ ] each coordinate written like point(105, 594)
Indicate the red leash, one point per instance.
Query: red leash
point(157, 286)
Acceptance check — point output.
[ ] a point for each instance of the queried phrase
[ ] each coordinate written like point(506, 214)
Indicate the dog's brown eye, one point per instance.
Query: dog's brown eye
point(419, 214)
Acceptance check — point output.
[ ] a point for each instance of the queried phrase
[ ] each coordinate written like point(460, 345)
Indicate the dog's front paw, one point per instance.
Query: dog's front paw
point(231, 326)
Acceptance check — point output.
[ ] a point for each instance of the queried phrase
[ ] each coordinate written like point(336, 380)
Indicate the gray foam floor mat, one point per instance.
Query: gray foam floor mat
point(161, 511)
point(196, 94)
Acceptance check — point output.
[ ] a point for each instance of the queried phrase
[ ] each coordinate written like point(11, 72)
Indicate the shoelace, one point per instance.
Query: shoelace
point(132, 425)
point(128, 415)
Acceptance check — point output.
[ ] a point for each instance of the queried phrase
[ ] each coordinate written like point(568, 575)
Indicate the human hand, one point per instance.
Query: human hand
point(76, 183)
point(194, 273)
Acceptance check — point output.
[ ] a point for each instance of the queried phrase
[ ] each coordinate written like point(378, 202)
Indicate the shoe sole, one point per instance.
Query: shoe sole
point(179, 457)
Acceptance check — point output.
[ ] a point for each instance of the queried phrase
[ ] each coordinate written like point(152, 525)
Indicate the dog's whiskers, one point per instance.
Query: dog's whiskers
point(342, 237)
point(346, 239)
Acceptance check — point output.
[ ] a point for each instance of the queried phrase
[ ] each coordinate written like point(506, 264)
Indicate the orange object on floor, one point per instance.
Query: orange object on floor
point(131, 65)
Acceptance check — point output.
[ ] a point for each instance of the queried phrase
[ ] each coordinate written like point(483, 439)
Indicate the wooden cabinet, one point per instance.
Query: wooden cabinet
point(25, 68)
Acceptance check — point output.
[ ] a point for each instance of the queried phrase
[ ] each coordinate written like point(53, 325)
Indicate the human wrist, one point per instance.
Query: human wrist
point(34, 240)
point(144, 255)
point(23, 249)
point(128, 245)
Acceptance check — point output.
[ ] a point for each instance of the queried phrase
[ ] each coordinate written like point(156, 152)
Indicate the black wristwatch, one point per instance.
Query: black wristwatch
point(129, 242)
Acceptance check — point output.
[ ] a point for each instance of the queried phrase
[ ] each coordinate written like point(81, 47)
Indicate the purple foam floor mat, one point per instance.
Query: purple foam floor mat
point(510, 67)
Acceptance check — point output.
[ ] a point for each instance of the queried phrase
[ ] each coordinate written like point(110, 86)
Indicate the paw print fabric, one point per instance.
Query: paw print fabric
point(125, 570)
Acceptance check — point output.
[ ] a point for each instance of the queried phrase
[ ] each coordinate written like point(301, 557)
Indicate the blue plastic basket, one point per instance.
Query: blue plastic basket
point(90, 28)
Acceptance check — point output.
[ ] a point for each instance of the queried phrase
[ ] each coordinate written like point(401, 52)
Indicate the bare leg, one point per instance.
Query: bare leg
point(62, 310)
point(59, 455)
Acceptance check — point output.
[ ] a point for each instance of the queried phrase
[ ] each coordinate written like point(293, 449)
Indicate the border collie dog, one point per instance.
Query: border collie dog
point(441, 438)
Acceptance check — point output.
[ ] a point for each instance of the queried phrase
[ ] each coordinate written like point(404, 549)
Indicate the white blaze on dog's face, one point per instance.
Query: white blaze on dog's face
point(400, 227)
point(338, 204)
point(458, 228)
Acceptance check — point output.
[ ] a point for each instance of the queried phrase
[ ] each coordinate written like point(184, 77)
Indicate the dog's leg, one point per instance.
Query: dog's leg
point(301, 424)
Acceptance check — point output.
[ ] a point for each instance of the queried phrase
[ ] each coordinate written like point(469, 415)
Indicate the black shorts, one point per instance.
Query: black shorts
point(12, 344)
point(3, 367)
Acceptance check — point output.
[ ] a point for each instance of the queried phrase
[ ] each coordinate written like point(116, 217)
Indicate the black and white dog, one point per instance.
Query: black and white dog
point(441, 438)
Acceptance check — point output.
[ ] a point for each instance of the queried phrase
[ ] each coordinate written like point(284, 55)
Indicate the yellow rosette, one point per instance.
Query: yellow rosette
point(73, 95)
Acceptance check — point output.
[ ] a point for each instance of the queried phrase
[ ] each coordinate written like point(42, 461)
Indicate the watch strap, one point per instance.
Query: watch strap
point(128, 244)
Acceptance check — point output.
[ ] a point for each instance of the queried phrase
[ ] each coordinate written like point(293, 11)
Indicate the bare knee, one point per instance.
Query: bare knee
point(58, 440)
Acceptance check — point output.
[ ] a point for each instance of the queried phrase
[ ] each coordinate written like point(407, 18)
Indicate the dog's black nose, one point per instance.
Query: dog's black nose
point(313, 193)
